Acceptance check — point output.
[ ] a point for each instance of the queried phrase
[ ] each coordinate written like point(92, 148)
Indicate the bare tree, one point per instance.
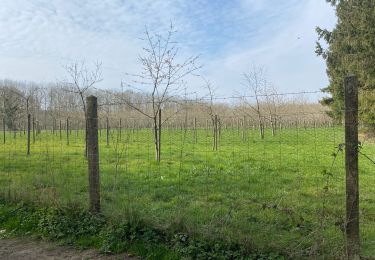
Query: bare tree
point(81, 79)
point(211, 111)
point(255, 81)
point(163, 75)
point(272, 103)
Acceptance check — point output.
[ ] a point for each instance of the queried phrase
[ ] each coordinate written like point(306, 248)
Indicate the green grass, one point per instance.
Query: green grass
point(267, 195)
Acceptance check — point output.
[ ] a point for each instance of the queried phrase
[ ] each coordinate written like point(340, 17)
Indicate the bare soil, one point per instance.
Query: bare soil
point(24, 249)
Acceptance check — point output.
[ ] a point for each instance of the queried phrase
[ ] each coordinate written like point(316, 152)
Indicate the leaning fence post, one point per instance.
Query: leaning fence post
point(93, 153)
point(351, 166)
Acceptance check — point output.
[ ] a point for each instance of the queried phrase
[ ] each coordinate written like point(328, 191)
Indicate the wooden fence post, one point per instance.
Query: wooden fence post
point(195, 130)
point(4, 133)
point(60, 129)
point(243, 128)
point(219, 127)
point(207, 127)
point(120, 130)
point(67, 130)
point(351, 166)
point(107, 131)
point(77, 127)
point(28, 133)
point(93, 153)
point(100, 128)
point(215, 128)
point(33, 130)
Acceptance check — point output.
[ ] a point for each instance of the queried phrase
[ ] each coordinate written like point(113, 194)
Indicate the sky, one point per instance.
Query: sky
point(39, 37)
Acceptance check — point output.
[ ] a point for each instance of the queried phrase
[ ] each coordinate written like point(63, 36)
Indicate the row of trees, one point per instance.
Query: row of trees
point(157, 95)
point(52, 101)
point(50, 105)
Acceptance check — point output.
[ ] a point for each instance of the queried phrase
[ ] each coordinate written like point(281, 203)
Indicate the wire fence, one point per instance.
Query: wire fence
point(261, 183)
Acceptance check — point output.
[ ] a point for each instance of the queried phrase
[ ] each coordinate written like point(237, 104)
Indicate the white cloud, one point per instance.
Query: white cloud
point(288, 55)
point(37, 37)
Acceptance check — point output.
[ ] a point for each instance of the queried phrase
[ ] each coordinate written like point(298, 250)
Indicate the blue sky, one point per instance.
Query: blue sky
point(37, 37)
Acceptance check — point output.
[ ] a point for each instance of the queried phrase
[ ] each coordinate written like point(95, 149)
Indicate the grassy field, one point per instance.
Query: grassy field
point(284, 194)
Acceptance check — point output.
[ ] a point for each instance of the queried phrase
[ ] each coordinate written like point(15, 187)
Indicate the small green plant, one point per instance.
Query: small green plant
point(75, 226)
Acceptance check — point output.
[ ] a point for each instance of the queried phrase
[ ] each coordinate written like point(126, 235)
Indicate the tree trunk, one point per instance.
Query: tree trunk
point(157, 129)
point(273, 125)
point(159, 139)
point(261, 127)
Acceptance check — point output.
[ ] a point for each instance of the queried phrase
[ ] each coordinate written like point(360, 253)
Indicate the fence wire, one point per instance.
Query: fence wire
point(283, 188)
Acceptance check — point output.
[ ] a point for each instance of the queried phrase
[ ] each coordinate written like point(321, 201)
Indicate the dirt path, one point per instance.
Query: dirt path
point(23, 249)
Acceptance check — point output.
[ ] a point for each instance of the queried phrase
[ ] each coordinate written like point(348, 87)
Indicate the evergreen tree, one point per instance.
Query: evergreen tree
point(351, 50)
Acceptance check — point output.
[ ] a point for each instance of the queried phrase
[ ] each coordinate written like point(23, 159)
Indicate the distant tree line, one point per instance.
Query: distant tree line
point(48, 103)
